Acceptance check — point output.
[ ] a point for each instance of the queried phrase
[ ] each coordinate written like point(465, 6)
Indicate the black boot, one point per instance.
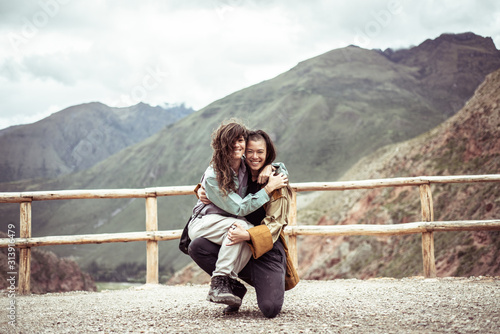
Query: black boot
point(239, 290)
point(220, 292)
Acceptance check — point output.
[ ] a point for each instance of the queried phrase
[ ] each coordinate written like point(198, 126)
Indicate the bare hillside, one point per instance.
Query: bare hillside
point(468, 143)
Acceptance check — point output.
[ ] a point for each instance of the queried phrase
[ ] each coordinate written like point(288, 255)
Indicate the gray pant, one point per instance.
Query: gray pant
point(231, 259)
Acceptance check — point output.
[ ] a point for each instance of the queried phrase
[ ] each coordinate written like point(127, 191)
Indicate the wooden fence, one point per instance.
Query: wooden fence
point(426, 227)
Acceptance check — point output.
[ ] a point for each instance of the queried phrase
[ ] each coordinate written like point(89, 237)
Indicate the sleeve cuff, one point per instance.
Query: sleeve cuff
point(261, 240)
point(263, 193)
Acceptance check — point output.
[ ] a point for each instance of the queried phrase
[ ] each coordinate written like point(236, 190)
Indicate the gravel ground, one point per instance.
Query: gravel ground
point(411, 305)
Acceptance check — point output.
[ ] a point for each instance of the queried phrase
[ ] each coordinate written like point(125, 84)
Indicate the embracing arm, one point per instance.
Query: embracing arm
point(232, 202)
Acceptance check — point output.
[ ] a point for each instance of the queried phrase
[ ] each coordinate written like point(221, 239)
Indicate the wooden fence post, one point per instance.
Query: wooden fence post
point(292, 238)
point(152, 245)
point(24, 253)
point(429, 260)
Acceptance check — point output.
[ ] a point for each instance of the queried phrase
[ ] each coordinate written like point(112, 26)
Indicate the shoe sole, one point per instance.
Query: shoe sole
point(228, 299)
point(231, 310)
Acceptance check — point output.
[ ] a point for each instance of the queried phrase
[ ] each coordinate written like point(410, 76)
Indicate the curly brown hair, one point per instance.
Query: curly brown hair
point(222, 144)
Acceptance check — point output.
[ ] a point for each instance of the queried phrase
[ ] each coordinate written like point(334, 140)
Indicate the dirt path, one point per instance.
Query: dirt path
point(413, 305)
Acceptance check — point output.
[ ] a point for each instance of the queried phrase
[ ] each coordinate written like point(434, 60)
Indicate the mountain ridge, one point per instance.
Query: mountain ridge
point(464, 144)
point(78, 137)
point(324, 115)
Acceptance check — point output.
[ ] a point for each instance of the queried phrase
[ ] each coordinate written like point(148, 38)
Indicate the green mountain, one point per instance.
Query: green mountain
point(77, 138)
point(466, 144)
point(324, 115)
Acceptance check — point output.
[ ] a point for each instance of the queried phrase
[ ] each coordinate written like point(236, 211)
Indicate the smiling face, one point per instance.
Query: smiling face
point(256, 155)
point(239, 145)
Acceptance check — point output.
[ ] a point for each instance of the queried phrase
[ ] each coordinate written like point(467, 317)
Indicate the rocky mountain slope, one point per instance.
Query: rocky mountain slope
point(324, 115)
point(468, 144)
point(77, 138)
point(440, 70)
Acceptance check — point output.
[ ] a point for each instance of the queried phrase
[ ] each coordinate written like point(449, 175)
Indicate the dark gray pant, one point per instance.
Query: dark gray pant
point(266, 274)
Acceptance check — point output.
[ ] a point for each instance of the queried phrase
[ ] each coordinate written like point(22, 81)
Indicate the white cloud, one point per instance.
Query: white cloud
point(58, 53)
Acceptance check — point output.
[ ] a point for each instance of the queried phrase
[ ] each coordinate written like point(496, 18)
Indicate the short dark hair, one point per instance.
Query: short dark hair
point(270, 148)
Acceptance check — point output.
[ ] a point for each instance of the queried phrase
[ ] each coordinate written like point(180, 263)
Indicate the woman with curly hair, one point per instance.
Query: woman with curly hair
point(225, 182)
point(270, 270)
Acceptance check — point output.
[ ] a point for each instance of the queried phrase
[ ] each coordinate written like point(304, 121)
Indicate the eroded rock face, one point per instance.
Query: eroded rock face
point(52, 274)
point(466, 144)
point(191, 273)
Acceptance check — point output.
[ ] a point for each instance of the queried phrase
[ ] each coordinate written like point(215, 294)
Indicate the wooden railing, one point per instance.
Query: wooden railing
point(427, 226)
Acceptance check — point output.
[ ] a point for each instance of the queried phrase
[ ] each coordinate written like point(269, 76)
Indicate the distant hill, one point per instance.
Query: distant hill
point(450, 62)
point(77, 138)
point(466, 144)
point(324, 115)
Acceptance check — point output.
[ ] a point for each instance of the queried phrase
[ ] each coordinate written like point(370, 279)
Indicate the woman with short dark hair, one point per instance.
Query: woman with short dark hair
point(225, 182)
point(270, 271)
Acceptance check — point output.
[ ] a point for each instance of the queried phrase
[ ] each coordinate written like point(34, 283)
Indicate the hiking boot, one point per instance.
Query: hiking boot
point(220, 292)
point(239, 290)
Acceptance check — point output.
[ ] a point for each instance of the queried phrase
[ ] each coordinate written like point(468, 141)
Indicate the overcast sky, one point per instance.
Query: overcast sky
point(59, 53)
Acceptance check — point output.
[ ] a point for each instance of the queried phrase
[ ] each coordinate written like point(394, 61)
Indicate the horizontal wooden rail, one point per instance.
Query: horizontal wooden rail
point(392, 182)
point(17, 197)
point(321, 230)
point(397, 229)
point(92, 238)
point(152, 236)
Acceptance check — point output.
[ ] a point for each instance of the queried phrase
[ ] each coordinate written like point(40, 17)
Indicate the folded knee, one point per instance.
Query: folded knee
point(202, 246)
point(269, 308)
point(194, 246)
point(243, 223)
